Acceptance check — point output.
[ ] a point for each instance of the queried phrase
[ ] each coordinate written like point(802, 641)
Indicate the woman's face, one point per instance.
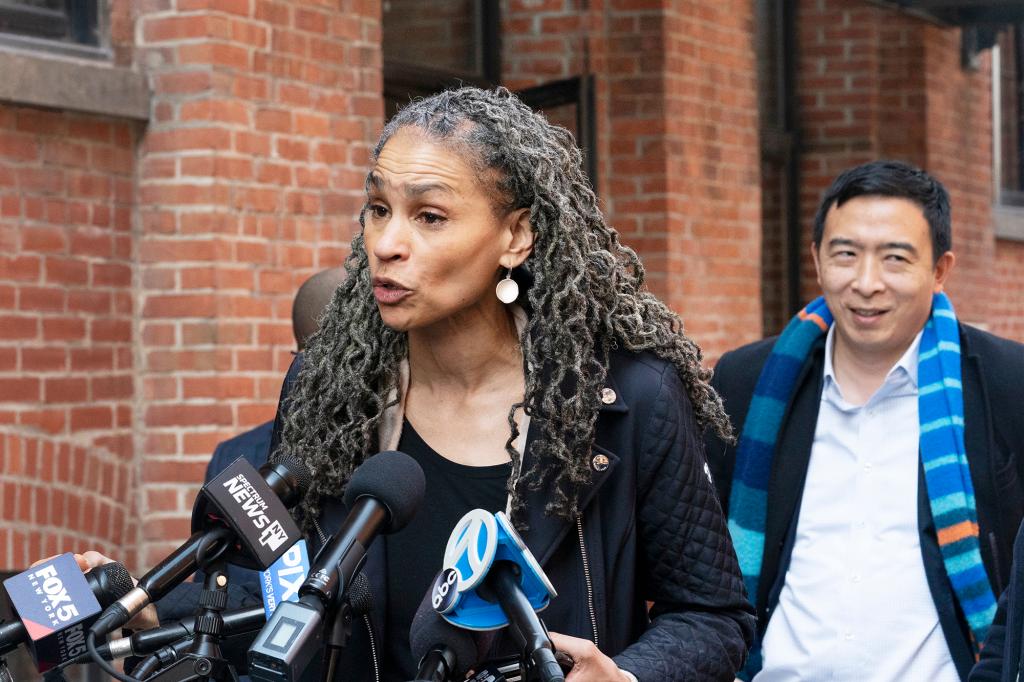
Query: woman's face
point(434, 240)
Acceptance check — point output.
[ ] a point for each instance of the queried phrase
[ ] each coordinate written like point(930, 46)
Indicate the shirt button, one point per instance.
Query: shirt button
point(848, 636)
point(855, 578)
point(607, 396)
point(867, 466)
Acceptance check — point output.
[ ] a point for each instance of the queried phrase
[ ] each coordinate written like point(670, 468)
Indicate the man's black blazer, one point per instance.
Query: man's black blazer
point(993, 381)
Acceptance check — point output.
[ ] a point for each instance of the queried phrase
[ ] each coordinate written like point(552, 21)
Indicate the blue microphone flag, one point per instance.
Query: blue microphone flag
point(281, 582)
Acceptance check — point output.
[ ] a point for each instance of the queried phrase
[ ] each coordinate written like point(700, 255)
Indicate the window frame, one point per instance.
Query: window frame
point(85, 21)
point(1007, 205)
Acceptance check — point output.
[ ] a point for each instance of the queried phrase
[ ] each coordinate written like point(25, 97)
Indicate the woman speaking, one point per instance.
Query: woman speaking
point(493, 327)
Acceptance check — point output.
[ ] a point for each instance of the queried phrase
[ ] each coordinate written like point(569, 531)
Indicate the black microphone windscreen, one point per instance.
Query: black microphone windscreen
point(429, 630)
point(360, 596)
point(116, 581)
point(395, 480)
point(289, 478)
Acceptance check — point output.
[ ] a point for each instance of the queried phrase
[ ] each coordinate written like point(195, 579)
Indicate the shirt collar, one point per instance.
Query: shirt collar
point(906, 366)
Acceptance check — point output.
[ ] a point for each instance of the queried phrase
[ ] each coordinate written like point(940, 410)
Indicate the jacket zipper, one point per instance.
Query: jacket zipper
point(373, 648)
point(366, 617)
point(587, 578)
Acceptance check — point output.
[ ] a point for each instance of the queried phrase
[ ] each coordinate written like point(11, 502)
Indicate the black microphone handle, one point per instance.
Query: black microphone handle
point(504, 582)
point(437, 665)
point(11, 635)
point(335, 566)
point(236, 622)
point(202, 546)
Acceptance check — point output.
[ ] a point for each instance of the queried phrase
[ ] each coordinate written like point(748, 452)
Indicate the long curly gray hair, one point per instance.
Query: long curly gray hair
point(586, 298)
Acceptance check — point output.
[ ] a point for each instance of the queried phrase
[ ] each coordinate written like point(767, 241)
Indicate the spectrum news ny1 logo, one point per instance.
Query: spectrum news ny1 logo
point(255, 508)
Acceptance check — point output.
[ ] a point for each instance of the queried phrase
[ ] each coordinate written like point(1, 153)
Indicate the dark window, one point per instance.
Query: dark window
point(570, 104)
point(63, 21)
point(431, 46)
point(1009, 142)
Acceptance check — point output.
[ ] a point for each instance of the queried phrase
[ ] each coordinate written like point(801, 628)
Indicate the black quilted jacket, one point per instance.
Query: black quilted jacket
point(652, 530)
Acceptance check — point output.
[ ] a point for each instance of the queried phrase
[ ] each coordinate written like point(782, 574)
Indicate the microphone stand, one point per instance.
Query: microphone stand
point(341, 628)
point(202, 659)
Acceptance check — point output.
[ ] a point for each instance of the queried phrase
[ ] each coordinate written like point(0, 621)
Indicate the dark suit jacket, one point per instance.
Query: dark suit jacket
point(993, 376)
point(254, 445)
point(1001, 655)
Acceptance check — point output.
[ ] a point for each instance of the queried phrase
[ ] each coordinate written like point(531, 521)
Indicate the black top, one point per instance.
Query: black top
point(416, 552)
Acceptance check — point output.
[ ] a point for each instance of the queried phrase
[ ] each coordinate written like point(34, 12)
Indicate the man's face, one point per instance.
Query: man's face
point(876, 269)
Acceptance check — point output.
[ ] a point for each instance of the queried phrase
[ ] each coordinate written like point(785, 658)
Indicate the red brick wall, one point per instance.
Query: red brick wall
point(66, 361)
point(714, 183)
point(837, 89)
point(542, 41)
point(958, 130)
point(250, 180)
point(147, 273)
point(1006, 307)
point(877, 83)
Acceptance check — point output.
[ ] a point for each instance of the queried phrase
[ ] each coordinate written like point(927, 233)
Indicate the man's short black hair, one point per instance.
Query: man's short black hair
point(892, 179)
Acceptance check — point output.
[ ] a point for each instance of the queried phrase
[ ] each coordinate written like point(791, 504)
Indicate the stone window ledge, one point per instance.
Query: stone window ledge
point(61, 82)
point(1009, 222)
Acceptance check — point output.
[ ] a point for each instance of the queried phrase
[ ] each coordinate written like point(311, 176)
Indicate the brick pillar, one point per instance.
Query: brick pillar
point(837, 87)
point(680, 178)
point(250, 181)
point(713, 181)
point(66, 362)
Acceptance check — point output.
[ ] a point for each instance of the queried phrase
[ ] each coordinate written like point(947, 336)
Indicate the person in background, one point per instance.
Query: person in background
point(875, 489)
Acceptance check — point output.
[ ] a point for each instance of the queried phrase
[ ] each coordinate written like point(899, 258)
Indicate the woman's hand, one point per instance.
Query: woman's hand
point(145, 619)
point(589, 664)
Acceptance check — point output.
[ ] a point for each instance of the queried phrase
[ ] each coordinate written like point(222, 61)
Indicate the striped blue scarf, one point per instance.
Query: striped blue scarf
point(943, 456)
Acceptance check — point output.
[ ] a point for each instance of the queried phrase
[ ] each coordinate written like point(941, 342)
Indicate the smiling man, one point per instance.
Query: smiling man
point(874, 491)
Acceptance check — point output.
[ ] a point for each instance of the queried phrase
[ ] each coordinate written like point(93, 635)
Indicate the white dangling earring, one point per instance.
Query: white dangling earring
point(507, 290)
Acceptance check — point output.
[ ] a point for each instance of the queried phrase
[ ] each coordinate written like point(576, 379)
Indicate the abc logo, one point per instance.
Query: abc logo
point(444, 594)
point(471, 547)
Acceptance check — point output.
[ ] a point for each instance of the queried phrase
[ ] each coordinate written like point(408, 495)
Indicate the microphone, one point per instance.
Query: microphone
point(526, 626)
point(444, 651)
point(236, 622)
point(54, 609)
point(491, 580)
point(166, 644)
point(382, 496)
point(240, 514)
